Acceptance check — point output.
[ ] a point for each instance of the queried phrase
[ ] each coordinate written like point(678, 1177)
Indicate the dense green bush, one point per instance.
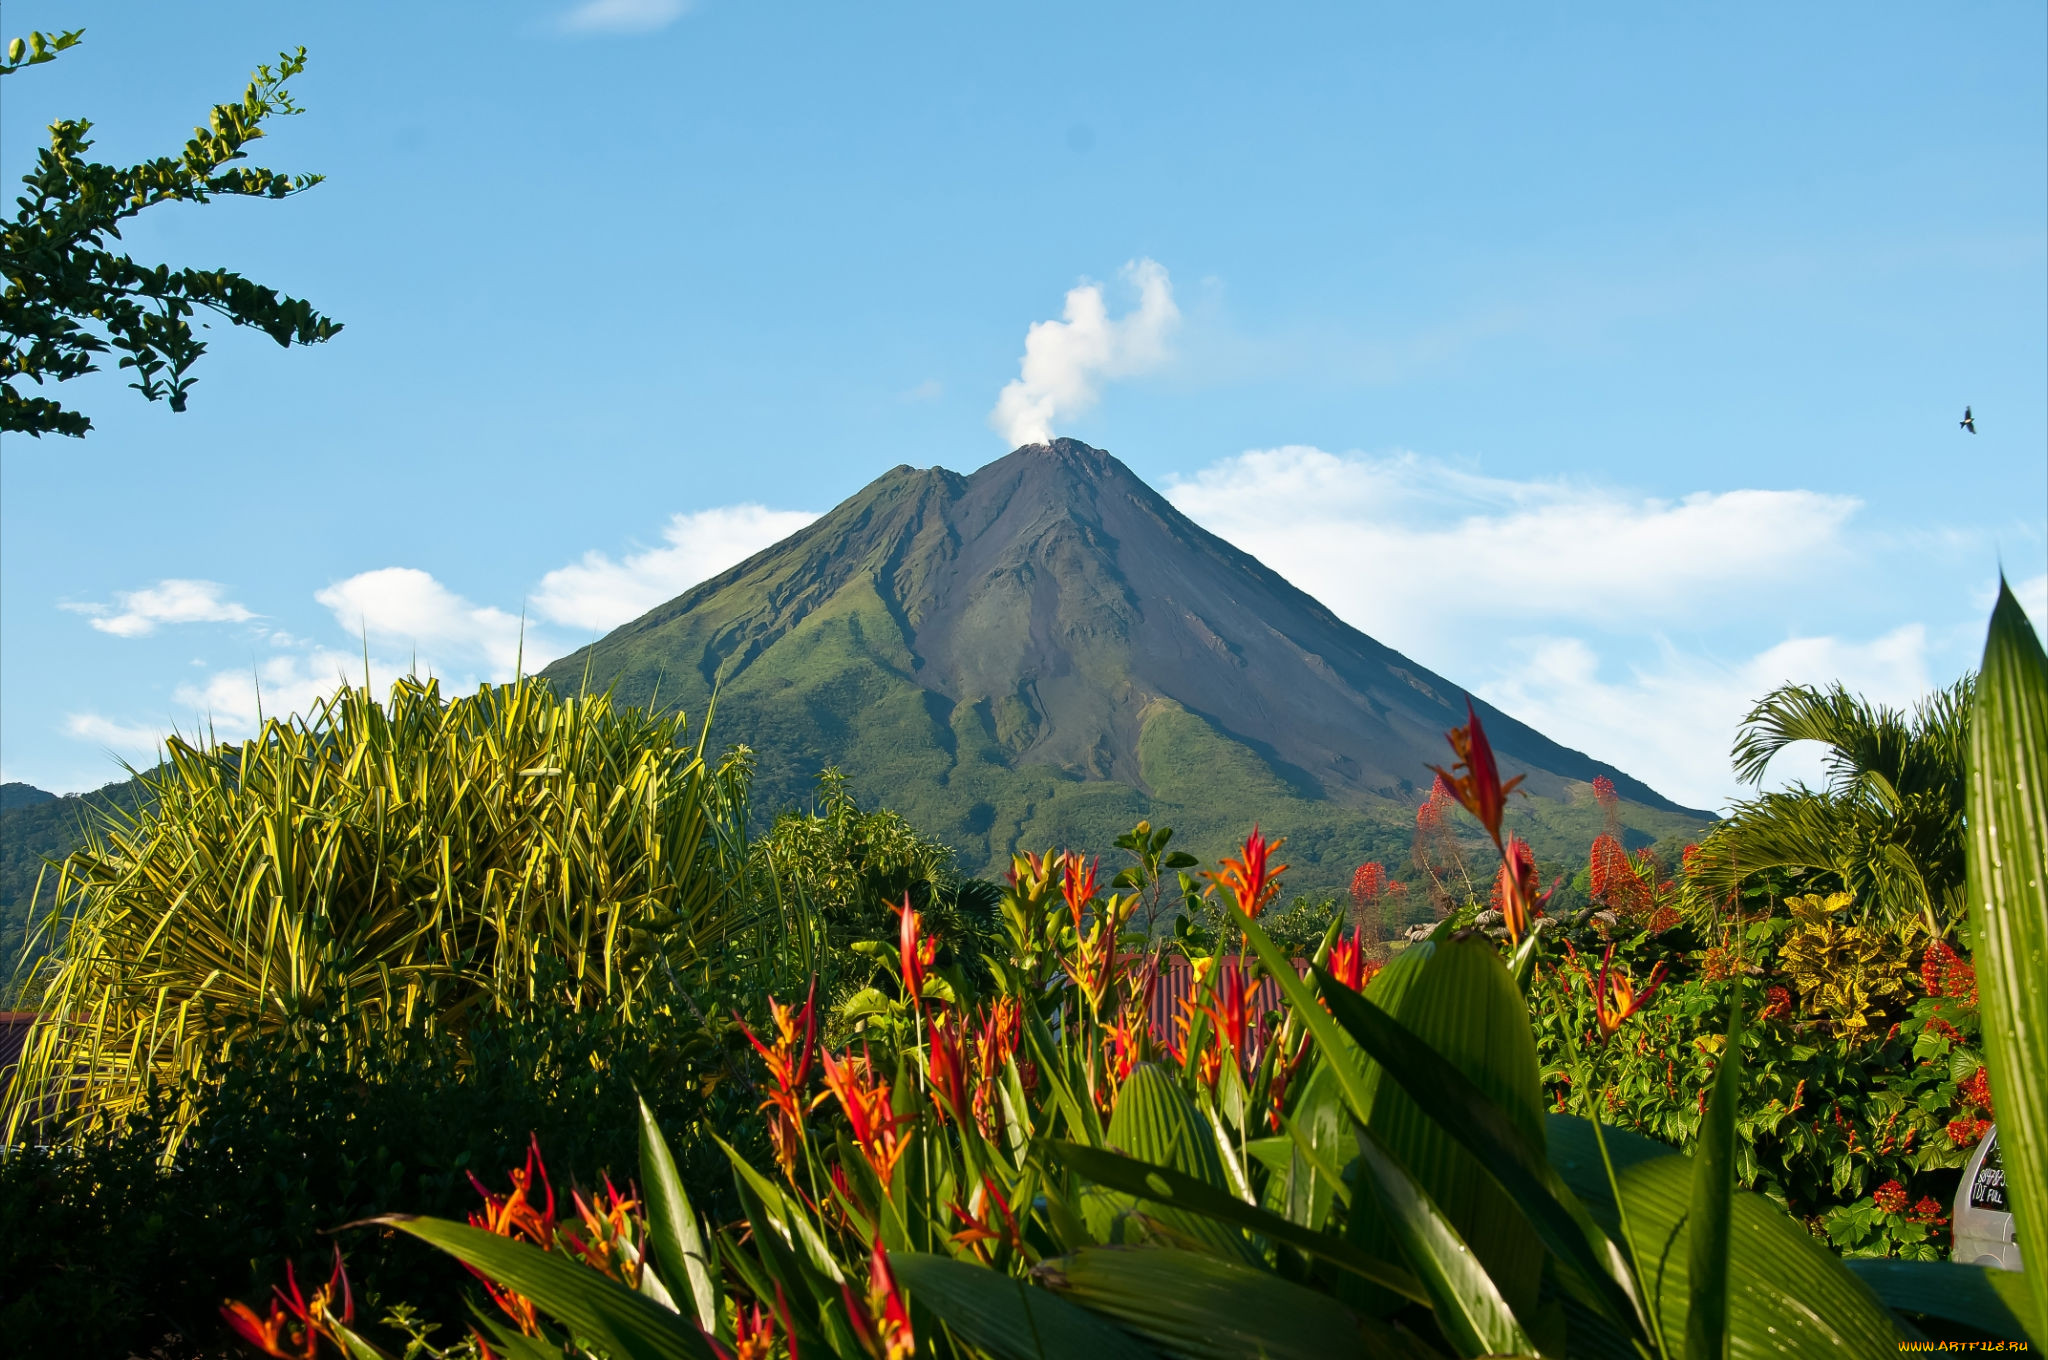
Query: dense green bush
point(105, 1252)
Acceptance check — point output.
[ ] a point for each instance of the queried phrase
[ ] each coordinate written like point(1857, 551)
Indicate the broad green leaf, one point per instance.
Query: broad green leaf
point(1788, 1295)
point(1473, 1024)
point(1470, 1311)
point(598, 1310)
point(2007, 820)
point(1159, 1185)
point(1200, 1307)
point(1156, 1122)
point(680, 1253)
point(1713, 1191)
point(1498, 1146)
point(1994, 1301)
point(1009, 1318)
point(795, 1225)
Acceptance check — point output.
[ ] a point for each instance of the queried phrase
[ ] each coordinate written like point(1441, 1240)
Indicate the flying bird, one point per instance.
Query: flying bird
point(1969, 421)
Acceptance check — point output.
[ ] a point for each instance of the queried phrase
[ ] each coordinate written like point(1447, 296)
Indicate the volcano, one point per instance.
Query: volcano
point(1045, 651)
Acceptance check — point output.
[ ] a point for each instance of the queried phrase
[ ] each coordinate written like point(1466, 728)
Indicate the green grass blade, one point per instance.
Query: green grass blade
point(1153, 1184)
point(1009, 1318)
point(1713, 1196)
point(598, 1310)
point(680, 1252)
point(1469, 1308)
point(2007, 822)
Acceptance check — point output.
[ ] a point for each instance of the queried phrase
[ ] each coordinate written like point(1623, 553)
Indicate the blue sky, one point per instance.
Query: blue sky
point(1607, 361)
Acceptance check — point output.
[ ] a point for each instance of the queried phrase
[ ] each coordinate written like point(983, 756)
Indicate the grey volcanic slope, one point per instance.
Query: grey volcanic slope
point(977, 649)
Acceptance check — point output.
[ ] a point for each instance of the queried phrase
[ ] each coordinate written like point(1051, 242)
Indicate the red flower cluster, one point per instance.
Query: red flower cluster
point(1945, 973)
point(1430, 815)
point(1369, 884)
point(789, 1067)
point(1777, 1004)
point(1615, 884)
point(1890, 1197)
point(1967, 1132)
point(865, 1097)
point(1976, 1089)
point(1928, 1211)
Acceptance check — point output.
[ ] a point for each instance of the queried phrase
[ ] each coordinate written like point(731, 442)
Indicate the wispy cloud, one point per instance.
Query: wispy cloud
point(1409, 548)
point(136, 613)
point(1066, 362)
point(133, 742)
point(1560, 601)
point(623, 16)
point(599, 592)
point(408, 606)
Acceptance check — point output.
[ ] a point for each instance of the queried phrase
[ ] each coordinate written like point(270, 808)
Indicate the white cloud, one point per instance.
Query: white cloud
point(1413, 551)
point(623, 16)
point(2033, 597)
point(138, 612)
point(406, 605)
point(132, 741)
point(1065, 362)
point(1671, 721)
point(599, 593)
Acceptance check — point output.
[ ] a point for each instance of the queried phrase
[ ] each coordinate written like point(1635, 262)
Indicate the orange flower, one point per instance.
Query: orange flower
point(865, 1098)
point(1615, 998)
point(608, 1243)
point(515, 1215)
point(1348, 963)
point(881, 1323)
point(1517, 890)
point(753, 1332)
point(295, 1324)
point(789, 1065)
point(1077, 883)
point(1251, 880)
point(1479, 788)
point(980, 1226)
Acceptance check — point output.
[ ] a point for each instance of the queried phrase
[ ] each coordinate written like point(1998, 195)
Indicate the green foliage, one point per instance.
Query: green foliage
point(70, 298)
point(2008, 898)
point(379, 865)
point(107, 1252)
point(1888, 826)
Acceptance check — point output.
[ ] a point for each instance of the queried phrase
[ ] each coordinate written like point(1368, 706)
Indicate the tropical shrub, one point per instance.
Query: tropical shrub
point(1033, 1172)
point(382, 865)
point(1888, 825)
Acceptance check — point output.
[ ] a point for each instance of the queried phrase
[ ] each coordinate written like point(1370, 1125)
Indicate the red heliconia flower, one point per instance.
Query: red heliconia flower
point(946, 1070)
point(607, 1243)
point(295, 1324)
point(754, 1332)
point(1252, 881)
point(789, 1067)
point(1517, 890)
point(515, 1215)
point(881, 1323)
point(979, 1226)
point(865, 1098)
point(1077, 883)
point(1890, 1197)
point(1615, 998)
point(1480, 788)
point(1368, 884)
point(916, 950)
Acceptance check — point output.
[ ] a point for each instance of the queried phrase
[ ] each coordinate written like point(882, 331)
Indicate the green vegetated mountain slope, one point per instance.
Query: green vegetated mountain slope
point(1043, 652)
point(35, 827)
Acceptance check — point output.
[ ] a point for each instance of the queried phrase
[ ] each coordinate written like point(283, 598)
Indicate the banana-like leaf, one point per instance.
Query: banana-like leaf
point(1457, 994)
point(2007, 819)
point(1788, 1295)
point(1199, 1307)
point(1470, 1311)
point(680, 1253)
point(1165, 1186)
point(1576, 1158)
point(1713, 1196)
point(1990, 1300)
point(1009, 1318)
point(598, 1310)
point(1501, 1148)
point(1156, 1122)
